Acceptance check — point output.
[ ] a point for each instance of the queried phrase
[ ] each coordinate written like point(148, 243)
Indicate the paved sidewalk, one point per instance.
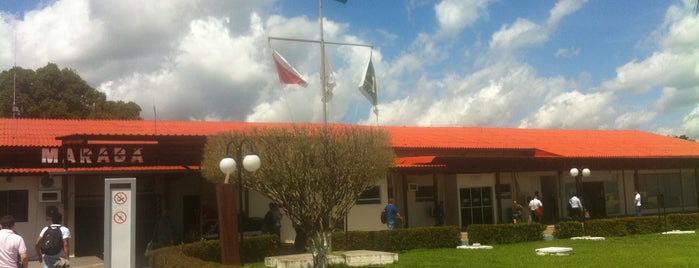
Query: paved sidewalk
point(77, 262)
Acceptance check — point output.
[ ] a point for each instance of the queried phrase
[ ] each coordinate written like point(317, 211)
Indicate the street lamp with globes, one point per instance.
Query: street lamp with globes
point(228, 165)
point(578, 174)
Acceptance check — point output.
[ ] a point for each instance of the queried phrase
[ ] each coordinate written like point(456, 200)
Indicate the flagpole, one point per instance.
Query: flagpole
point(322, 67)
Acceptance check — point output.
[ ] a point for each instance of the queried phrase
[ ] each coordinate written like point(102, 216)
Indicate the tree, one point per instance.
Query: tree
point(50, 92)
point(684, 137)
point(316, 174)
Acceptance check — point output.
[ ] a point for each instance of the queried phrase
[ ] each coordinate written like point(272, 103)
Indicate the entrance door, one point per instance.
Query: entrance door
point(549, 198)
point(88, 235)
point(476, 206)
point(594, 199)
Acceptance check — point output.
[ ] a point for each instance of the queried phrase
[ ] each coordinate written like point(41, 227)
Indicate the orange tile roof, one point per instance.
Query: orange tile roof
point(546, 142)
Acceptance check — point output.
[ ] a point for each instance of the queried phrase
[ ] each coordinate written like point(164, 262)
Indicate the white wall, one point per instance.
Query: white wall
point(30, 229)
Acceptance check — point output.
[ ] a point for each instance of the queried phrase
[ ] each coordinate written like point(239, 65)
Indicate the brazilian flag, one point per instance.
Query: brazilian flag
point(368, 86)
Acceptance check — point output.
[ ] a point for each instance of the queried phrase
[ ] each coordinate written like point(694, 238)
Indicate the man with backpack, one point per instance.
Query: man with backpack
point(52, 243)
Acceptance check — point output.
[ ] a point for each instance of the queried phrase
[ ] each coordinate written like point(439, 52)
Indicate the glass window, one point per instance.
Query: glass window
point(476, 206)
point(689, 190)
point(370, 196)
point(15, 203)
point(424, 194)
point(665, 190)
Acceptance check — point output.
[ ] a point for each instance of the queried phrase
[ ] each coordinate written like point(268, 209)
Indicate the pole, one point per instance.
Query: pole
point(241, 212)
point(322, 66)
point(317, 41)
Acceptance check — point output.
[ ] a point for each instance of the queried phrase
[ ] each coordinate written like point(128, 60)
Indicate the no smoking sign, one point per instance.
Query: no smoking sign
point(120, 198)
point(120, 207)
point(120, 217)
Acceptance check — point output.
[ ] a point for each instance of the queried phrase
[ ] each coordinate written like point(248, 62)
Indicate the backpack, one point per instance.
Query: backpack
point(52, 241)
point(384, 217)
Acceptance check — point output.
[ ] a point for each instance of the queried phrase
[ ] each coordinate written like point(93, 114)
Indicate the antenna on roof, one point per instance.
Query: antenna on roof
point(155, 118)
point(15, 109)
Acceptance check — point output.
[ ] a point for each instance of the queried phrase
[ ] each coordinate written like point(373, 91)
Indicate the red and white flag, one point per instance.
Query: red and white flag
point(287, 74)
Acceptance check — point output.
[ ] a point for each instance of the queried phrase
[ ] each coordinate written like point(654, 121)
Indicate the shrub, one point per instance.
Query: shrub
point(683, 221)
point(605, 228)
point(643, 225)
point(207, 253)
point(568, 229)
point(505, 233)
point(627, 225)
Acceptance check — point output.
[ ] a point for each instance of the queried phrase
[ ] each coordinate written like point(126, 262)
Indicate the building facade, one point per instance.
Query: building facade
point(61, 165)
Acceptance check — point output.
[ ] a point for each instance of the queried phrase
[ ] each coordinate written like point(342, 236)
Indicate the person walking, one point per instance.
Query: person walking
point(13, 250)
point(576, 208)
point(52, 244)
point(516, 212)
point(163, 231)
point(637, 202)
point(536, 208)
point(439, 214)
point(273, 221)
point(391, 214)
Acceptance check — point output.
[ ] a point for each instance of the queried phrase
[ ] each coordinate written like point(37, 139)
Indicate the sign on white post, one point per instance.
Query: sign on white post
point(120, 222)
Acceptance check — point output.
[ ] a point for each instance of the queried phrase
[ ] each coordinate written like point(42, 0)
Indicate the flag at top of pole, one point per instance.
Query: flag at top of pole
point(287, 74)
point(368, 85)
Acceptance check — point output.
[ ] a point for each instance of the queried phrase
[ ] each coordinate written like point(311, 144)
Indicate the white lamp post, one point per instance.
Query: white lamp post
point(578, 174)
point(229, 165)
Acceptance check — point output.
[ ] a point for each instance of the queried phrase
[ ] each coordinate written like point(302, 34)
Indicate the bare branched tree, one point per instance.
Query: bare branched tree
point(316, 174)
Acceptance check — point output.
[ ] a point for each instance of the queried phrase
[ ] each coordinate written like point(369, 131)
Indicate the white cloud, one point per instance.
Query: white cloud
point(567, 52)
point(210, 60)
point(672, 70)
point(495, 96)
point(574, 110)
point(562, 9)
point(660, 69)
point(635, 119)
point(455, 15)
point(671, 99)
point(690, 124)
point(526, 33)
point(522, 33)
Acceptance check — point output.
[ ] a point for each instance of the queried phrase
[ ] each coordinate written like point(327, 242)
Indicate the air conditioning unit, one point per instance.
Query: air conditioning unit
point(51, 183)
point(50, 196)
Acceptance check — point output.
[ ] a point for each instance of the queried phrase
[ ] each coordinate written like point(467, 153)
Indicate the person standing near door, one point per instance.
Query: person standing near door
point(536, 208)
point(637, 203)
point(576, 207)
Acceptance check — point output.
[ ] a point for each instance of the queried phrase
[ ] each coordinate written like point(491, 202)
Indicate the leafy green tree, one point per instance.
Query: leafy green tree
point(316, 174)
point(684, 137)
point(50, 92)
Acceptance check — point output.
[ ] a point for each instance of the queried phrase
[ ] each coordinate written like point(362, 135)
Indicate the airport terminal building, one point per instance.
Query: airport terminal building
point(60, 165)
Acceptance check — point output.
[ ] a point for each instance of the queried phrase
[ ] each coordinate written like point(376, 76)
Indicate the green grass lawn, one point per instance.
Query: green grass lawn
point(654, 250)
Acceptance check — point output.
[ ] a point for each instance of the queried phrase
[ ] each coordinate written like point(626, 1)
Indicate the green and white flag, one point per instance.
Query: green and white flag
point(368, 85)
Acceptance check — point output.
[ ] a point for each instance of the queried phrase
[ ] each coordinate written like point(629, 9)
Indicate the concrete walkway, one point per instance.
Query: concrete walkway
point(77, 262)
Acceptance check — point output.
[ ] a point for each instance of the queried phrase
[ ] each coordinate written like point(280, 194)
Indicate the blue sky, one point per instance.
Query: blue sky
point(582, 64)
